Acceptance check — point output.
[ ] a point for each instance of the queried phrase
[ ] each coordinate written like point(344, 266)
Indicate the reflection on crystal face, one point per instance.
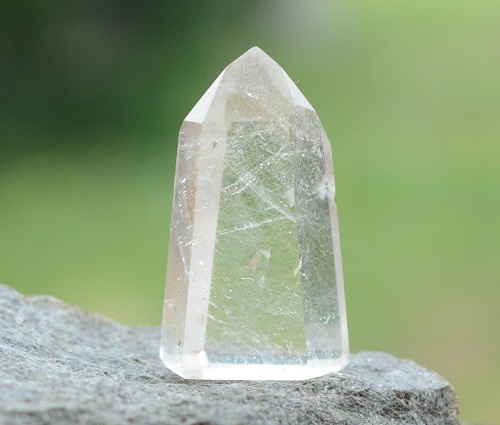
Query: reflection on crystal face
point(254, 281)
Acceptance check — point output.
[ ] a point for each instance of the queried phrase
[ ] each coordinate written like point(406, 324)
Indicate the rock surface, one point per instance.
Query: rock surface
point(59, 365)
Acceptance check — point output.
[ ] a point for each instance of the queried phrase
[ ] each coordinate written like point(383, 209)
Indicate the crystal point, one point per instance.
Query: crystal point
point(254, 278)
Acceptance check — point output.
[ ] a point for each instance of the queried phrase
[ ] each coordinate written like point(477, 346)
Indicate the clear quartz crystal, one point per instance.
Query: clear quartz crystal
point(254, 279)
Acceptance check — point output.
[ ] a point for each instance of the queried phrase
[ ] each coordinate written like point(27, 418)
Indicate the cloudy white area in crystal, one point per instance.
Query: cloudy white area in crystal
point(254, 278)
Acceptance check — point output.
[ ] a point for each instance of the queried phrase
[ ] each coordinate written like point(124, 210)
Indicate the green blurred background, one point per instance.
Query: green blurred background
point(92, 95)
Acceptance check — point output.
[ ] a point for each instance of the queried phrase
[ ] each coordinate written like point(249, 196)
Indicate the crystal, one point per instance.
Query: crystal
point(254, 279)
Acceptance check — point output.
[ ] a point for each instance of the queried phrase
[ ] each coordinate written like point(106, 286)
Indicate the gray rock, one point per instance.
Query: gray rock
point(59, 365)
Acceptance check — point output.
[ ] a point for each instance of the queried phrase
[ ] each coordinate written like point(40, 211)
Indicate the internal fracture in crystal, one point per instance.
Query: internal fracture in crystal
point(254, 279)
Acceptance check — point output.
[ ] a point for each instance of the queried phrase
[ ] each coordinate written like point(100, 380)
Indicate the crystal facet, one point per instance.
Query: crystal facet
point(254, 279)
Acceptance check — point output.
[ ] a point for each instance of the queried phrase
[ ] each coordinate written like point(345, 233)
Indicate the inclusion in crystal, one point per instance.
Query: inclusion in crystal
point(254, 278)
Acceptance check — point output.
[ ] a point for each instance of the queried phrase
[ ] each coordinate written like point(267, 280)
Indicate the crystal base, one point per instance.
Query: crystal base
point(270, 371)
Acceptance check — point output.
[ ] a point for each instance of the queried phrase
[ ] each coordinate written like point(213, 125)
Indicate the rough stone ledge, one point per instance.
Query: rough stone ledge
point(59, 365)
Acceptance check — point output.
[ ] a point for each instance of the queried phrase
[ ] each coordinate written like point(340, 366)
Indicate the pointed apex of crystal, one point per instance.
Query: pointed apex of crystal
point(255, 58)
point(254, 75)
point(254, 55)
point(254, 278)
point(256, 51)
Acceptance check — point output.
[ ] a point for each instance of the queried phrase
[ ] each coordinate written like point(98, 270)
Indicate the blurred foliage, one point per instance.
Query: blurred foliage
point(100, 68)
point(92, 95)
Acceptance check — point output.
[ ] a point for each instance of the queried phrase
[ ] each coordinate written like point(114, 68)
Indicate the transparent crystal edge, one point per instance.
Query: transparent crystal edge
point(200, 110)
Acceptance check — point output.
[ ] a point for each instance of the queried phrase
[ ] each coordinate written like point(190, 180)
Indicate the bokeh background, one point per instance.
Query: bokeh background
point(92, 95)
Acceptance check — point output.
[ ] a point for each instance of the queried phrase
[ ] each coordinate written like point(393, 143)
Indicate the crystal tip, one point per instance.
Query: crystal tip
point(256, 51)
